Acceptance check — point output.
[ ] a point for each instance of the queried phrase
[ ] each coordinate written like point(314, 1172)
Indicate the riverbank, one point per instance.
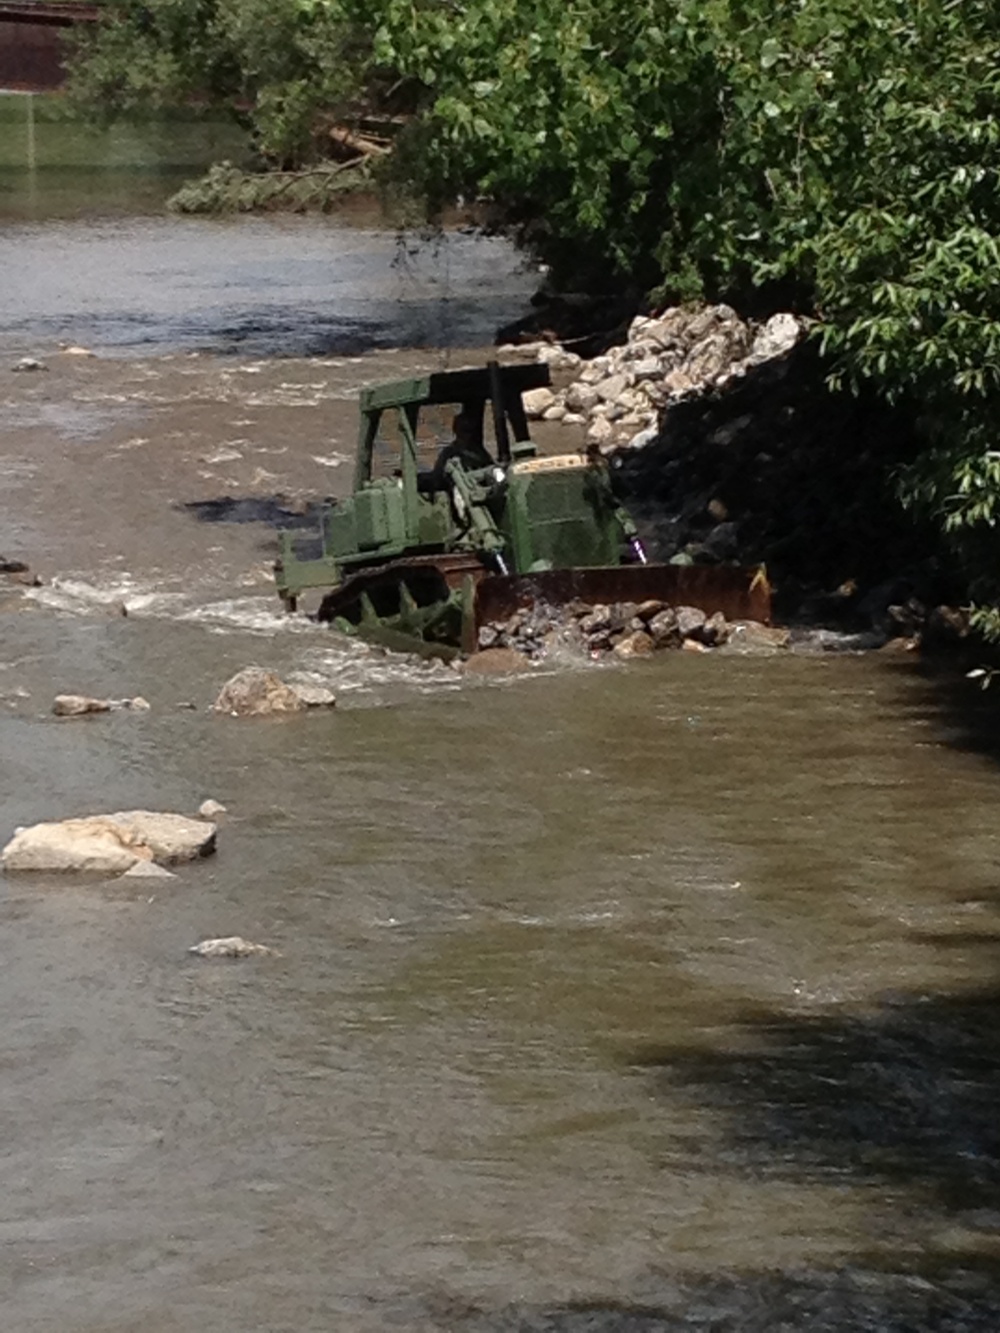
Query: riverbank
point(228, 189)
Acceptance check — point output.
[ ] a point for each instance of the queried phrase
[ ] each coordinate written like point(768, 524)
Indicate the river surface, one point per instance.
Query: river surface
point(610, 998)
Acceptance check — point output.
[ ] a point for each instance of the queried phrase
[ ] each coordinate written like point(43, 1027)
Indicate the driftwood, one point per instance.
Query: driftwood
point(356, 143)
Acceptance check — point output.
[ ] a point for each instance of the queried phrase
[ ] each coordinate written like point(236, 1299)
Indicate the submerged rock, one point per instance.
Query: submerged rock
point(231, 946)
point(314, 696)
point(109, 844)
point(496, 662)
point(77, 705)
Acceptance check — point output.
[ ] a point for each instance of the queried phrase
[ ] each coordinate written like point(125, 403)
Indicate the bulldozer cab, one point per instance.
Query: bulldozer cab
point(430, 452)
point(405, 425)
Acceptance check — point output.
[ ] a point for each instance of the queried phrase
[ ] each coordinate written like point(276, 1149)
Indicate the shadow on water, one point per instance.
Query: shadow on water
point(274, 510)
point(849, 1300)
point(901, 1096)
point(968, 716)
point(906, 1095)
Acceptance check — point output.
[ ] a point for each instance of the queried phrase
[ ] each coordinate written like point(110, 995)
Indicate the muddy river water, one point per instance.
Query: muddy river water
point(654, 996)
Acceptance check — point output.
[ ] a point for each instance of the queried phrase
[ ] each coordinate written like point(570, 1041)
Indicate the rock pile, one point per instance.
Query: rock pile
point(626, 629)
point(677, 355)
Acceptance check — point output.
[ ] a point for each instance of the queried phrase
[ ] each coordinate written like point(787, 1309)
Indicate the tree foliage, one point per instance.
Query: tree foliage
point(838, 155)
point(285, 68)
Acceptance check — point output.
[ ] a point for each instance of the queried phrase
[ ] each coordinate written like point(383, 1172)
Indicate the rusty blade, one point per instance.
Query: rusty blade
point(740, 593)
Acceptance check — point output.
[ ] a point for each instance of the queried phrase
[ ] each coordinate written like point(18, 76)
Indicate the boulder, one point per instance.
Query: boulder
point(582, 397)
point(210, 808)
point(557, 357)
point(599, 620)
point(663, 629)
point(595, 370)
point(600, 431)
point(690, 620)
point(715, 631)
point(538, 401)
point(109, 844)
point(778, 336)
point(612, 388)
point(92, 846)
point(750, 636)
point(254, 692)
point(678, 383)
point(636, 644)
point(709, 359)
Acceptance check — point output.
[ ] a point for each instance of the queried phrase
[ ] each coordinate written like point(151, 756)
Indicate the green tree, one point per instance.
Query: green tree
point(287, 69)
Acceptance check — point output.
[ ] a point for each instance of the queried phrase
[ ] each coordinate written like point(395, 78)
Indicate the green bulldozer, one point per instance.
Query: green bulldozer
point(456, 522)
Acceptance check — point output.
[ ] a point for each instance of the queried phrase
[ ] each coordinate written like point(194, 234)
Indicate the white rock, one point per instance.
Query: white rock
point(29, 363)
point(558, 357)
point(170, 838)
point(778, 336)
point(210, 808)
point(109, 843)
point(536, 401)
point(595, 370)
point(599, 431)
point(72, 349)
point(650, 368)
point(254, 692)
point(644, 437)
point(554, 413)
point(668, 328)
point(581, 397)
point(75, 705)
point(314, 696)
point(574, 419)
point(230, 946)
point(93, 846)
point(710, 356)
point(147, 870)
point(612, 388)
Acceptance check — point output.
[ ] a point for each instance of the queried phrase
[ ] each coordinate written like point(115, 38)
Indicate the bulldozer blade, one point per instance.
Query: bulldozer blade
point(740, 593)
